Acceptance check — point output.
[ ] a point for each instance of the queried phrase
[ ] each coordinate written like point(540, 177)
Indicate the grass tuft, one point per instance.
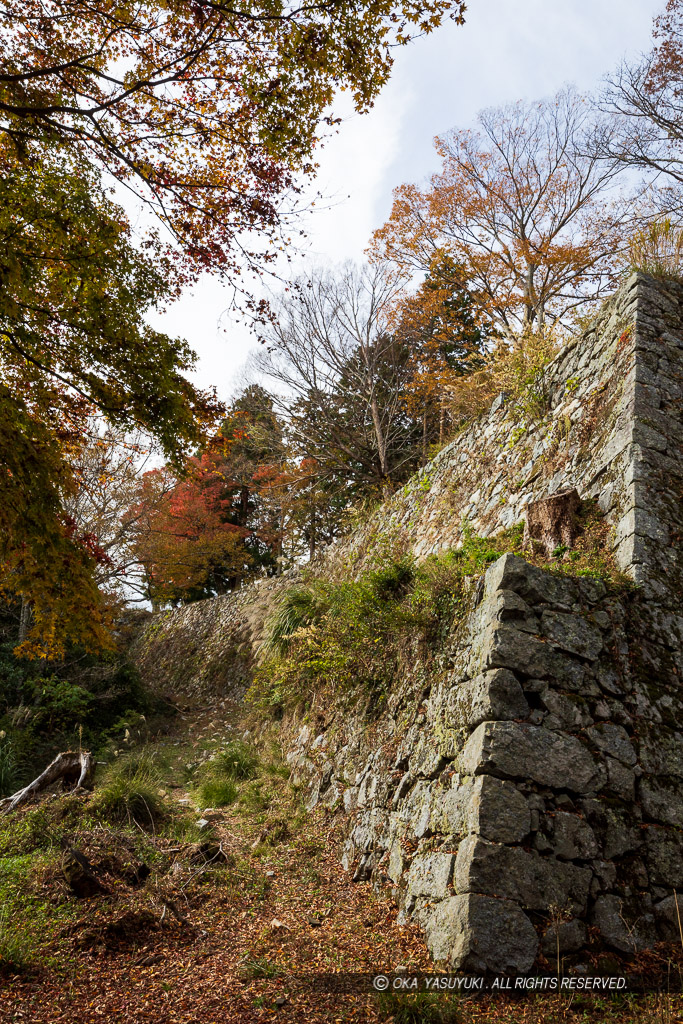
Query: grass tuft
point(219, 778)
point(130, 791)
point(17, 945)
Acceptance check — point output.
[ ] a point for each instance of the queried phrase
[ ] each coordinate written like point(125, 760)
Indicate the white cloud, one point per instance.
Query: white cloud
point(506, 51)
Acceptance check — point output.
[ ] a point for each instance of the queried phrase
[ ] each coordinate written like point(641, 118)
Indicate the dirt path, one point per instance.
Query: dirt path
point(264, 926)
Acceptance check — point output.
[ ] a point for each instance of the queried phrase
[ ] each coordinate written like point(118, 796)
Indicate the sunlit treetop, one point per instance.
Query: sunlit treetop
point(209, 110)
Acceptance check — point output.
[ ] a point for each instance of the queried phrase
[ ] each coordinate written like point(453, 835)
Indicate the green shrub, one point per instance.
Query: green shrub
point(391, 609)
point(129, 791)
point(236, 761)
point(218, 777)
point(299, 607)
point(217, 793)
point(362, 634)
point(17, 945)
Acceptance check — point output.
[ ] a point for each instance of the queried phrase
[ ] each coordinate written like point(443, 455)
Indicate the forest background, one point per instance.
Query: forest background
point(122, 481)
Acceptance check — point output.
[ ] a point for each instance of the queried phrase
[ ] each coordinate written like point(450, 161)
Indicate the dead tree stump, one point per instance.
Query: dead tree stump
point(71, 767)
point(551, 521)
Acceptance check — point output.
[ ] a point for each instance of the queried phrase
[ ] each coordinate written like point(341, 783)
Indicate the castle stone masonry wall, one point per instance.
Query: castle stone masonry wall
point(535, 769)
point(528, 784)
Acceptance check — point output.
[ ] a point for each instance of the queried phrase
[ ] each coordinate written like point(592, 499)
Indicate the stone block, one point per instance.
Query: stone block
point(573, 838)
point(570, 936)
point(430, 875)
point(572, 633)
point(661, 752)
point(517, 751)
point(669, 918)
point(498, 811)
point(614, 740)
point(504, 646)
point(664, 857)
point(510, 872)
point(491, 696)
point(510, 572)
point(662, 799)
point(621, 926)
point(476, 933)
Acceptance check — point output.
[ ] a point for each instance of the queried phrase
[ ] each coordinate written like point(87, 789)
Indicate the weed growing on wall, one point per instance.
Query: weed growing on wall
point(357, 636)
point(360, 634)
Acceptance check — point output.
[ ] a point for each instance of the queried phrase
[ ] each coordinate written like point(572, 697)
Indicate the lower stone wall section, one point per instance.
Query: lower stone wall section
point(526, 787)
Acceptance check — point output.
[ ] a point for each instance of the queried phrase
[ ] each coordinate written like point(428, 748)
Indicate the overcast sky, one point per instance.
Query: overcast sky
point(507, 50)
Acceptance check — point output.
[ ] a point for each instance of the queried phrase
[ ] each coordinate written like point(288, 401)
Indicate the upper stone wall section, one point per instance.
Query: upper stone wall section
point(612, 431)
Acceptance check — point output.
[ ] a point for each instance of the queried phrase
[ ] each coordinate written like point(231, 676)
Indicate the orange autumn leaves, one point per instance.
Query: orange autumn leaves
point(209, 111)
point(533, 220)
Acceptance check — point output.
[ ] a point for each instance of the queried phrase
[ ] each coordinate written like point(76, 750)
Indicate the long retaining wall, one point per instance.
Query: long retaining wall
point(525, 789)
point(528, 786)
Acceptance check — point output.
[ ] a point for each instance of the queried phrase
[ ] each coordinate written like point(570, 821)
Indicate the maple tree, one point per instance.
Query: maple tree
point(201, 533)
point(208, 110)
point(184, 543)
point(73, 340)
point(532, 218)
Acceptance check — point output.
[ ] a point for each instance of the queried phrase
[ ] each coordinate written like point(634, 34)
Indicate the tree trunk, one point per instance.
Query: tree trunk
point(70, 766)
point(551, 522)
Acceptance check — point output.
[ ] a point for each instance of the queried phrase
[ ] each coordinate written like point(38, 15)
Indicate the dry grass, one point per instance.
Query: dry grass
point(263, 930)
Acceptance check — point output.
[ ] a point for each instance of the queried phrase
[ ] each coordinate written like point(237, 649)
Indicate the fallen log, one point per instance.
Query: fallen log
point(70, 766)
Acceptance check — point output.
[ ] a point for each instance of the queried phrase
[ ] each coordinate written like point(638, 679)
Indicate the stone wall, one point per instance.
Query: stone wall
point(207, 648)
point(613, 431)
point(531, 782)
point(530, 778)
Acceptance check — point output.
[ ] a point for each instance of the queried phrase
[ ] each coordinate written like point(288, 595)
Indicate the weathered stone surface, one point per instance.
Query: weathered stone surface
point(618, 926)
point(572, 633)
point(506, 646)
point(396, 861)
point(661, 752)
point(664, 857)
point(573, 838)
point(570, 936)
point(511, 572)
point(497, 811)
point(669, 918)
point(492, 696)
point(426, 759)
point(430, 874)
point(519, 751)
point(662, 799)
point(621, 781)
point(416, 809)
point(614, 740)
point(513, 873)
point(450, 808)
point(477, 933)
